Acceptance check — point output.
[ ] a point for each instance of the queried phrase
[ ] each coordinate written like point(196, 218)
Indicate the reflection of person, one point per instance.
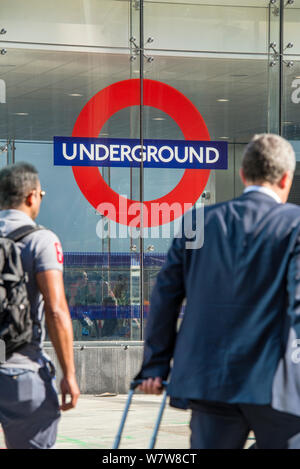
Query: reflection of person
point(110, 327)
point(233, 356)
point(83, 296)
point(121, 293)
point(29, 407)
point(88, 327)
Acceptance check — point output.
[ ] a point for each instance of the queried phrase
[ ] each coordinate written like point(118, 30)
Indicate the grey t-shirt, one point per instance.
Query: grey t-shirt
point(40, 251)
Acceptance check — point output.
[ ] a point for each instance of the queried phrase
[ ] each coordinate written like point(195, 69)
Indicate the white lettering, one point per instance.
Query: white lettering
point(125, 152)
point(122, 216)
point(64, 151)
point(180, 160)
point(2, 92)
point(138, 148)
point(106, 152)
point(296, 354)
point(132, 219)
point(116, 459)
point(161, 212)
point(114, 150)
point(212, 150)
point(105, 228)
point(165, 159)
point(136, 223)
point(296, 94)
point(194, 228)
point(151, 153)
point(193, 153)
point(83, 149)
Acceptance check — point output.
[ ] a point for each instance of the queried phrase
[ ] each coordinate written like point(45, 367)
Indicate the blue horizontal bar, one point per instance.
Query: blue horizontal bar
point(115, 259)
point(124, 153)
point(95, 312)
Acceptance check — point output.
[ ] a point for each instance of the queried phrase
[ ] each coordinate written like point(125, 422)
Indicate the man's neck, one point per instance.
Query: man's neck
point(24, 209)
point(265, 189)
point(270, 187)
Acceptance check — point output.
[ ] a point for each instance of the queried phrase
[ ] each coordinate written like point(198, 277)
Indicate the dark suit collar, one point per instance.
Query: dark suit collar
point(259, 197)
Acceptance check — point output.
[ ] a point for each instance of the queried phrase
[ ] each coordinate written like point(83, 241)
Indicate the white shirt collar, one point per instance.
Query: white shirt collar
point(265, 190)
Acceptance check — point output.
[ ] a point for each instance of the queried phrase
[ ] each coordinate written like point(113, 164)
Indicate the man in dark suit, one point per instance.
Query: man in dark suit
point(236, 356)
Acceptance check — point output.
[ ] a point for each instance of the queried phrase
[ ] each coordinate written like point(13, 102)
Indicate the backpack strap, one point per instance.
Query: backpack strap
point(23, 231)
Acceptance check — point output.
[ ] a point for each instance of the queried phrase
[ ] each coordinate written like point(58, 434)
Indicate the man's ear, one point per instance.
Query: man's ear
point(28, 200)
point(284, 181)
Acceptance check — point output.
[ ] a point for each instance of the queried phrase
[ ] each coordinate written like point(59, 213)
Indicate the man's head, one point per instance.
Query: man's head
point(20, 189)
point(269, 160)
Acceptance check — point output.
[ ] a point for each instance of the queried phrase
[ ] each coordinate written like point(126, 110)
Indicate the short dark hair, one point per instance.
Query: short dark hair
point(16, 182)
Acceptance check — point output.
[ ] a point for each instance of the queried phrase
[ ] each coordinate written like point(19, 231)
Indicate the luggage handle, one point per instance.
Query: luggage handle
point(133, 386)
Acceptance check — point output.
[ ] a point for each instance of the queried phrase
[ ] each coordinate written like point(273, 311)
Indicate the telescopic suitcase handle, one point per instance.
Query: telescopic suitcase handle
point(133, 386)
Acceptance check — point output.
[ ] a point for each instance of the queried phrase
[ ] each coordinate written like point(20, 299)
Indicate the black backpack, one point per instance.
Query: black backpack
point(15, 318)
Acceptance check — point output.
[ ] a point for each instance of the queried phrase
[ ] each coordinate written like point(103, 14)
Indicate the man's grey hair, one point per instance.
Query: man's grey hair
point(16, 183)
point(267, 157)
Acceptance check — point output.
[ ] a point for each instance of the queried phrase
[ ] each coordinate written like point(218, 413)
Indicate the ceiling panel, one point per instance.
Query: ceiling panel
point(39, 83)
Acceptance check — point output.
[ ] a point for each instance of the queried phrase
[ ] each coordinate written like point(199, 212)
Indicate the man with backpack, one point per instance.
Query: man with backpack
point(29, 407)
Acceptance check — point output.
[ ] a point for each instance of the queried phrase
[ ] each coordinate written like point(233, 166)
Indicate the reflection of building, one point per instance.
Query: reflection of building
point(114, 304)
point(217, 53)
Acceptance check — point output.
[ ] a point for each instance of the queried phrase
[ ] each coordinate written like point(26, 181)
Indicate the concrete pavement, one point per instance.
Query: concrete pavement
point(94, 423)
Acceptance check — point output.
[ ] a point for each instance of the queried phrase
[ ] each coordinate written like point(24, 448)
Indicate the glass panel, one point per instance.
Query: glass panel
point(290, 118)
point(7, 149)
point(274, 108)
point(217, 57)
point(291, 89)
point(291, 27)
point(72, 23)
point(291, 100)
point(45, 90)
point(238, 153)
point(232, 96)
point(230, 3)
point(207, 26)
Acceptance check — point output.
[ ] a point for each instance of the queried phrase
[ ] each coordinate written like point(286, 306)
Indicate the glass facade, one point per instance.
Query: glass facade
point(237, 62)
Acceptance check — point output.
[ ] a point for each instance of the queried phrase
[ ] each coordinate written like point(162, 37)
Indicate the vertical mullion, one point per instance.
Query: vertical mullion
point(141, 253)
point(275, 59)
point(281, 50)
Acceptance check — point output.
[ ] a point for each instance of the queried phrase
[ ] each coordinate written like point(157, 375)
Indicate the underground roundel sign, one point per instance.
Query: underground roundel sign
point(85, 152)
